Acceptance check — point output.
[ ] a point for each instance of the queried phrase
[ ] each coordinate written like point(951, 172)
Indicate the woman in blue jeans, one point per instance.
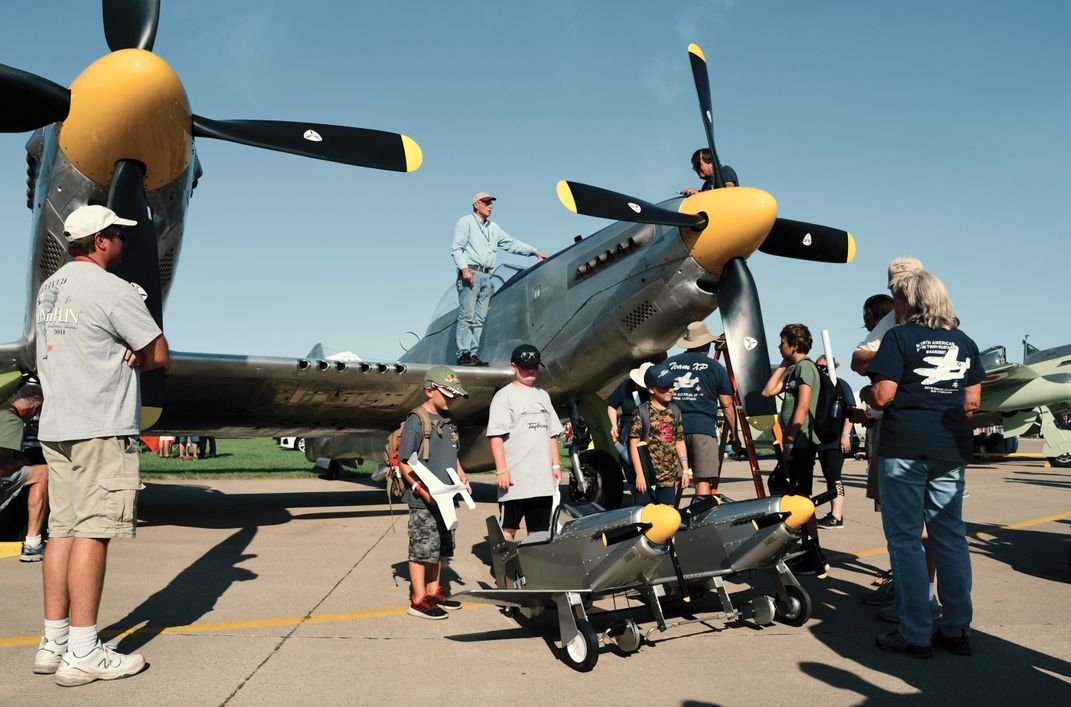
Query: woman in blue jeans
point(927, 378)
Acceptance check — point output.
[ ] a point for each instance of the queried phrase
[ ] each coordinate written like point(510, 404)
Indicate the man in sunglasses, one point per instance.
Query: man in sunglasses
point(94, 335)
point(703, 165)
point(475, 247)
point(523, 430)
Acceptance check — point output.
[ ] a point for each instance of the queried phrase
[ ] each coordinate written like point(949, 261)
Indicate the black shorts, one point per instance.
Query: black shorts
point(801, 469)
point(832, 462)
point(535, 512)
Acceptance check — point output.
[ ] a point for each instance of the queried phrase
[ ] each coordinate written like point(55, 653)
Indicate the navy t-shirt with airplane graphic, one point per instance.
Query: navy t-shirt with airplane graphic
point(699, 380)
point(932, 367)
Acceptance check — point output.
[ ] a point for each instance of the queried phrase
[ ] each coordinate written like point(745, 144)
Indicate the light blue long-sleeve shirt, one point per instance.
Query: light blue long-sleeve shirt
point(477, 242)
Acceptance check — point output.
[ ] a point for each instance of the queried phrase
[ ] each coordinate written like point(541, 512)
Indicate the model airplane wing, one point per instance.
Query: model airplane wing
point(516, 597)
point(265, 396)
point(442, 493)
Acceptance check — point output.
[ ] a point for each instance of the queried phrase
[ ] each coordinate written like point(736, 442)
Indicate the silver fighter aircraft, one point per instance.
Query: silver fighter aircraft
point(594, 309)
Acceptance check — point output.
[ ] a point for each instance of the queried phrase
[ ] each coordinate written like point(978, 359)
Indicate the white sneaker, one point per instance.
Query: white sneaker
point(102, 663)
point(49, 654)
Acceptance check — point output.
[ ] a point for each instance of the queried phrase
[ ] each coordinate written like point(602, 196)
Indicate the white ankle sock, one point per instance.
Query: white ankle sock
point(83, 640)
point(57, 630)
point(33, 540)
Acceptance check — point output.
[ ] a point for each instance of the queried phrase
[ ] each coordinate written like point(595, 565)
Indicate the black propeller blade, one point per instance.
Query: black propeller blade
point(31, 101)
point(625, 532)
point(141, 262)
point(335, 143)
point(587, 200)
point(745, 337)
point(809, 241)
point(677, 569)
point(131, 24)
point(769, 519)
point(702, 90)
point(823, 498)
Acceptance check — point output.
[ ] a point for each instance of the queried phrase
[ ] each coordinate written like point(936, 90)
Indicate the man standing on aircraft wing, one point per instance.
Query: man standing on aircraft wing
point(523, 430)
point(701, 384)
point(429, 539)
point(476, 243)
point(703, 165)
point(94, 334)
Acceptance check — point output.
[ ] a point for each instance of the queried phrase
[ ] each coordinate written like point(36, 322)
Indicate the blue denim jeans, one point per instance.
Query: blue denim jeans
point(916, 492)
point(472, 303)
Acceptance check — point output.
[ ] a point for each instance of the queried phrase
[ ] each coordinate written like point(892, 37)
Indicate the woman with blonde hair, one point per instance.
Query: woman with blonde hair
point(927, 378)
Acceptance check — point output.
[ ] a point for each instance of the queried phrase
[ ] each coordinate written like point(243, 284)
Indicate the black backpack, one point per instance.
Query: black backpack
point(830, 411)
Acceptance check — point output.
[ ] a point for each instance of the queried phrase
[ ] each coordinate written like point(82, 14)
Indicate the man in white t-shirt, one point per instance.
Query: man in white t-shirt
point(94, 335)
point(523, 430)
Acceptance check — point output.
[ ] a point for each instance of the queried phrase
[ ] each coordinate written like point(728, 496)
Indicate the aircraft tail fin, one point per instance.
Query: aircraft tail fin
point(316, 352)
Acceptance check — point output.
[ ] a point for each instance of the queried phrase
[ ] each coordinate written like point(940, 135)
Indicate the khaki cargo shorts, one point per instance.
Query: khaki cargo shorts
point(703, 456)
point(93, 487)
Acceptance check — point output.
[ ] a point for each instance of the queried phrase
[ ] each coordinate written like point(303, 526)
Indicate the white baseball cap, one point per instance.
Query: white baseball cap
point(483, 196)
point(87, 220)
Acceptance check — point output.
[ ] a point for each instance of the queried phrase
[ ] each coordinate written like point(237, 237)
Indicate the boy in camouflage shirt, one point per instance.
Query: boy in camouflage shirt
point(663, 433)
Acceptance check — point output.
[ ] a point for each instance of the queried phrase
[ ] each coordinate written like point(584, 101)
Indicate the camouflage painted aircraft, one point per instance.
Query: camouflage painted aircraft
point(1029, 398)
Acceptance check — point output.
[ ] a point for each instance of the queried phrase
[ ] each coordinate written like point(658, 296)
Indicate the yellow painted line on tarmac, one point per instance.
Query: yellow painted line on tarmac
point(14, 641)
point(17, 641)
point(10, 550)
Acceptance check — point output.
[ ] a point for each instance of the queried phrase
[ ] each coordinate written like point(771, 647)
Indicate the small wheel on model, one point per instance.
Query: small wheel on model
point(582, 653)
point(795, 608)
point(627, 636)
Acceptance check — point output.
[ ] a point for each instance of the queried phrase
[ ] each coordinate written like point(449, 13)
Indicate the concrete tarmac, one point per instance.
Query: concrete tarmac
point(295, 591)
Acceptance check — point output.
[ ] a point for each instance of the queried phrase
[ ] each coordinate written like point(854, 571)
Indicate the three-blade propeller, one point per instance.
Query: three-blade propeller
point(737, 296)
point(32, 102)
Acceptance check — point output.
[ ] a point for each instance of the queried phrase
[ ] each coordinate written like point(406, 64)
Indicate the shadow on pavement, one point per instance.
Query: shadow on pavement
point(190, 595)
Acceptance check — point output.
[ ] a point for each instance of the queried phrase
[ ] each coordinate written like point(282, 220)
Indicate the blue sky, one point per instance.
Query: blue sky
point(939, 130)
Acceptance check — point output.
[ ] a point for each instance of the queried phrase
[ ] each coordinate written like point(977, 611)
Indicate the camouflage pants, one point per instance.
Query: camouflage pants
point(429, 540)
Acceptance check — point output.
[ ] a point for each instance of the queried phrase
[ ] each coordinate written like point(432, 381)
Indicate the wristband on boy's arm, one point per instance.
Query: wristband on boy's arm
point(501, 473)
point(416, 487)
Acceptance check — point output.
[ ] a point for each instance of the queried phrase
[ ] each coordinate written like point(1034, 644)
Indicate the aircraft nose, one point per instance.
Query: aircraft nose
point(664, 520)
point(738, 221)
point(801, 509)
point(130, 105)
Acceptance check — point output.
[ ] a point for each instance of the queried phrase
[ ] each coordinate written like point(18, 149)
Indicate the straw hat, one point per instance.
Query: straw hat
point(636, 374)
point(698, 335)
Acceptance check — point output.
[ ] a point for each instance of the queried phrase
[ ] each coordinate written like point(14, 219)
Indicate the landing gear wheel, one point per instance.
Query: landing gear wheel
point(582, 653)
point(796, 611)
point(592, 485)
point(1063, 461)
point(627, 637)
point(300, 445)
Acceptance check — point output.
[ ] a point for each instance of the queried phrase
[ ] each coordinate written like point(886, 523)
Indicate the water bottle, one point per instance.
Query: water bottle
point(834, 409)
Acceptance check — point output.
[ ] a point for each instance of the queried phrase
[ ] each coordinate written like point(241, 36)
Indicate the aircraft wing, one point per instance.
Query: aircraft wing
point(1006, 377)
point(261, 396)
point(515, 597)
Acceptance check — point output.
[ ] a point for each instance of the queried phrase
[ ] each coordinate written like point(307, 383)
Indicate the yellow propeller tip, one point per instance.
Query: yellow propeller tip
point(565, 195)
point(851, 248)
point(414, 156)
point(693, 48)
point(687, 600)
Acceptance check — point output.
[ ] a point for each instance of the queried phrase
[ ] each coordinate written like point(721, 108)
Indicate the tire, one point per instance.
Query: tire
point(602, 474)
point(796, 611)
point(582, 653)
point(300, 445)
point(1063, 461)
